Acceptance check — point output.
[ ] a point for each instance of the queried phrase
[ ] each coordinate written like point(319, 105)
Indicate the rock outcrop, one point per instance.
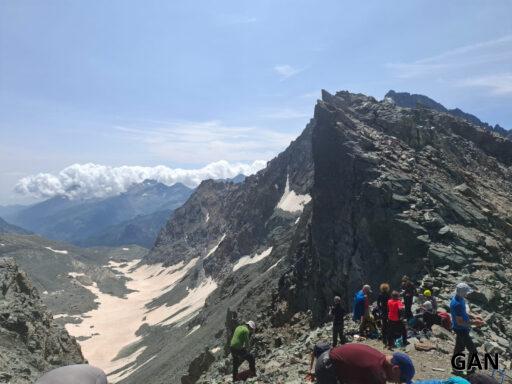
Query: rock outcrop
point(405, 99)
point(369, 192)
point(31, 343)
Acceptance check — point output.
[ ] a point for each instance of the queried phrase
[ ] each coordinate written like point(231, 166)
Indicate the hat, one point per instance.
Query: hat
point(366, 287)
point(337, 299)
point(462, 289)
point(251, 324)
point(427, 305)
point(406, 366)
point(427, 292)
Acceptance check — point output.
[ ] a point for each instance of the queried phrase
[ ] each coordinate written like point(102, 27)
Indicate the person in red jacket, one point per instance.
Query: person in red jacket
point(396, 325)
point(361, 364)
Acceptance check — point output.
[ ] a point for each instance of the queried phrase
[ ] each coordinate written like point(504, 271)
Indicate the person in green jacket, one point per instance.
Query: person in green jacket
point(240, 346)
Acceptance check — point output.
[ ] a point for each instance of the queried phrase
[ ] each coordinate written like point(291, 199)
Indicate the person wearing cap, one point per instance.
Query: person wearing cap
point(361, 364)
point(395, 321)
point(337, 312)
point(461, 322)
point(77, 373)
point(362, 307)
point(239, 348)
point(430, 317)
point(427, 294)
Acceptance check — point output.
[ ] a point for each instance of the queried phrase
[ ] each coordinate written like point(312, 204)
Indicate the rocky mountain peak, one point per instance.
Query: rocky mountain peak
point(31, 343)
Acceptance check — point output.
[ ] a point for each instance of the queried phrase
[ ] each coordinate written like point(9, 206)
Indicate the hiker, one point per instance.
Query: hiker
point(481, 378)
point(382, 304)
point(239, 348)
point(362, 307)
point(430, 317)
point(361, 364)
point(395, 323)
point(337, 312)
point(408, 292)
point(427, 294)
point(461, 322)
point(77, 374)
point(317, 351)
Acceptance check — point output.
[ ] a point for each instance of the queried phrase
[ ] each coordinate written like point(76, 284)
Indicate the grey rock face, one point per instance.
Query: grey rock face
point(31, 343)
point(405, 99)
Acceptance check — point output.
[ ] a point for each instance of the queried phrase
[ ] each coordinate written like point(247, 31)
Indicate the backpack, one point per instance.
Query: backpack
point(446, 320)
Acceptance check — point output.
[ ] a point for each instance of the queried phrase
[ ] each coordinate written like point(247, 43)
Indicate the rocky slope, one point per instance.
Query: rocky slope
point(51, 266)
point(31, 343)
point(283, 354)
point(5, 227)
point(369, 192)
point(405, 99)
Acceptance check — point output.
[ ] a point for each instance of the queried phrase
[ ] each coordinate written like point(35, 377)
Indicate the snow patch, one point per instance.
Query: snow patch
point(193, 330)
point(63, 252)
point(274, 265)
point(187, 308)
point(2, 245)
point(45, 292)
point(112, 326)
point(207, 217)
point(75, 274)
point(290, 201)
point(127, 362)
point(216, 349)
point(246, 260)
point(126, 249)
point(212, 251)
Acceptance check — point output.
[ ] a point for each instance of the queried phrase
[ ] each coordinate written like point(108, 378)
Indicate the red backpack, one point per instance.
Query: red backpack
point(446, 320)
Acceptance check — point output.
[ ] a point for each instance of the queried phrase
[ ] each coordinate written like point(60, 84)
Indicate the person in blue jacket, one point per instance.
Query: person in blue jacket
point(361, 308)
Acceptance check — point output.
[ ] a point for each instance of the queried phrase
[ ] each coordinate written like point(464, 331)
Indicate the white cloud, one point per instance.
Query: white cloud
point(498, 84)
point(286, 71)
point(206, 141)
point(95, 180)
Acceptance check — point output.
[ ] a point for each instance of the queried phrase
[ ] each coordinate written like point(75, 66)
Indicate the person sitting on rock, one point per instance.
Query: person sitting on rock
point(362, 307)
point(427, 294)
point(239, 348)
point(361, 364)
point(337, 312)
point(430, 317)
point(77, 373)
point(461, 322)
point(395, 319)
point(318, 350)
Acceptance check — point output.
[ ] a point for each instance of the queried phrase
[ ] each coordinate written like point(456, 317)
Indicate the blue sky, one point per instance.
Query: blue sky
point(184, 84)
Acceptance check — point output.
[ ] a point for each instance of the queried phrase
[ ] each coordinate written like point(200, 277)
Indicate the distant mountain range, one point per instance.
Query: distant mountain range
point(411, 100)
point(5, 227)
point(133, 217)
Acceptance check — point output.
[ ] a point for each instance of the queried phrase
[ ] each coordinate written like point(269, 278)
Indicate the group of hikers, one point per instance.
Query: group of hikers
point(356, 363)
point(352, 363)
